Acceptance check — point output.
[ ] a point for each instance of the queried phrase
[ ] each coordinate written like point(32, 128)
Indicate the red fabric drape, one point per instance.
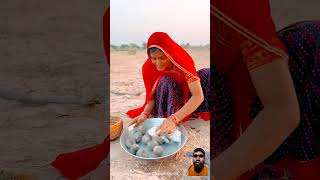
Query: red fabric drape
point(79, 163)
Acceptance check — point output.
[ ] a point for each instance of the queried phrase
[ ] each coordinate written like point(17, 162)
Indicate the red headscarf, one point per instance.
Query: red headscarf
point(151, 76)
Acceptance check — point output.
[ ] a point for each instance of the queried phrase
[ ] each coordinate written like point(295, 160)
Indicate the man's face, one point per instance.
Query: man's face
point(198, 159)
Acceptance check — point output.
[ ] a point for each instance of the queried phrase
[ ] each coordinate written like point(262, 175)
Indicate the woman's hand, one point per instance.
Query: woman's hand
point(192, 104)
point(167, 126)
point(144, 115)
point(138, 120)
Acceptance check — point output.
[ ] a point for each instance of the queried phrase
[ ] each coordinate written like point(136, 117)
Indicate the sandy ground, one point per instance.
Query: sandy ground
point(127, 92)
point(50, 48)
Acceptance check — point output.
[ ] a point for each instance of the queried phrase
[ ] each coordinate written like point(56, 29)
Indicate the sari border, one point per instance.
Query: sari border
point(248, 34)
point(154, 87)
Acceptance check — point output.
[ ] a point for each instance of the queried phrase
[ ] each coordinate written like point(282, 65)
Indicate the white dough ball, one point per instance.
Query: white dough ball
point(130, 141)
point(137, 136)
point(151, 144)
point(134, 148)
point(158, 139)
point(142, 153)
point(158, 150)
point(146, 138)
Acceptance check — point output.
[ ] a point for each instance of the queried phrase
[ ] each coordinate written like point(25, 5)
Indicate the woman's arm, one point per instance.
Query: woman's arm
point(143, 116)
point(192, 104)
point(269, 129)
point(149, 106)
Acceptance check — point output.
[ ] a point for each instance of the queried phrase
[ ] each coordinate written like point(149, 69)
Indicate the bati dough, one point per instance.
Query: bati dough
point(142, 153)
point(158, 150)
point(137, 136)
point(146, 138)
point(151, 144)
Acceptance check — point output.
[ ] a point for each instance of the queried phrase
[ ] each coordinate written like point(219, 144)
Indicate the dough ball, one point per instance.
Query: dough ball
point(130, 141)
point(134, 148)
point(142, 130)
point(137, 136)
point(142, 153)
point(151, 144)
point(158, 150)
point(146, 138)
point(158, 139)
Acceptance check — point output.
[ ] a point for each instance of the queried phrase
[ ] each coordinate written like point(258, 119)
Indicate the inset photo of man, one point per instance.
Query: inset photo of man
point(198, 168)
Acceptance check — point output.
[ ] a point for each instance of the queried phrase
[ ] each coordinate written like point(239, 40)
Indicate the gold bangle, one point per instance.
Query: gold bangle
point(175, 118)
point(145, 113)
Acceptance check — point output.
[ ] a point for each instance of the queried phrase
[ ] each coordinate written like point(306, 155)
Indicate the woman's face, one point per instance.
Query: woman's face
point(160, 60)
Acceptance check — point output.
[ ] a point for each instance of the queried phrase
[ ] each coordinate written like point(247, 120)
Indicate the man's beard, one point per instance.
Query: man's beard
point(199, 168)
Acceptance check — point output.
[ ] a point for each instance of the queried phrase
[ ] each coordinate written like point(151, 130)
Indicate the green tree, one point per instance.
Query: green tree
point(124, 47)
point(134, 46)
point(144, 45)
point(114, 47)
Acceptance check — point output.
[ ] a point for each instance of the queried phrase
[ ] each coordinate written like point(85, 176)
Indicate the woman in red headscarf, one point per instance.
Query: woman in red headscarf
point(265, 94)
point(174, 89)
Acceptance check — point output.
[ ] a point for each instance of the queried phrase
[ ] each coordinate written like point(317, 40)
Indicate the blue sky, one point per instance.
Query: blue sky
point(186, 21)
